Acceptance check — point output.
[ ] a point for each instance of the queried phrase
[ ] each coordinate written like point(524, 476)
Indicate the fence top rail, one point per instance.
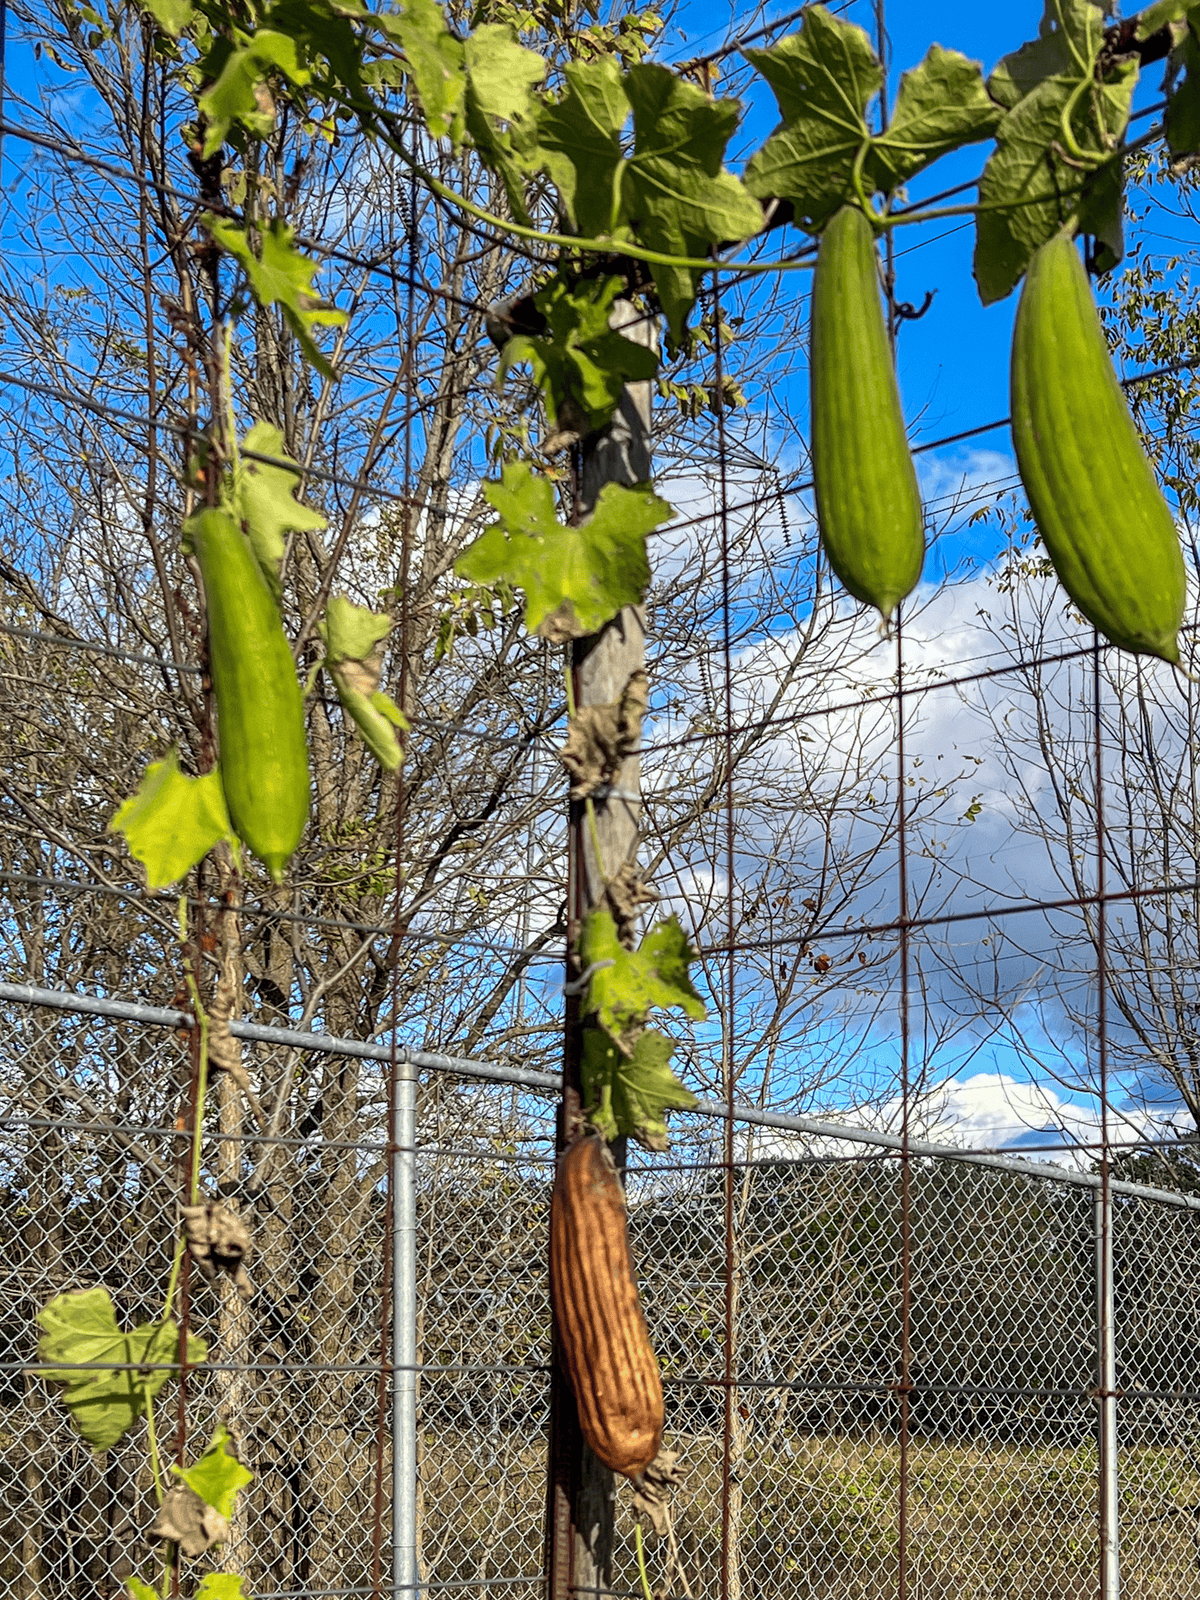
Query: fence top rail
point(551, 1083)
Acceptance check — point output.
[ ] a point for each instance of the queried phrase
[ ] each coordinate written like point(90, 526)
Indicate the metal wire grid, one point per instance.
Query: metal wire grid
point(886, 1374)
point(1002, 1463)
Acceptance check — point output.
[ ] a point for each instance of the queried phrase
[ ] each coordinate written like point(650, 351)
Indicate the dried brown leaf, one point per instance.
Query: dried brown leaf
point(188, 1521)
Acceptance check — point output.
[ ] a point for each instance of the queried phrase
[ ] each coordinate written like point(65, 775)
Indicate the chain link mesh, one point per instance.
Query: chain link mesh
point(1003, 1467)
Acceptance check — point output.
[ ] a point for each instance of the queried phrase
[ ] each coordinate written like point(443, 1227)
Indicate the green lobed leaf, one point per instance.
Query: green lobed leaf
point(218, 1475)
point(631, 1093)
point(280, 275)
point(350, 632)
point(622, 993)
point(675, 191)
point(575, 579)
point(328, 33)
point(672, 192)
point(1160, 15)
point(1034, 184)
point(823, 78)
point(942, 105)
point(580, 363)
point(1018, 74)
point(499, 108)
point(435, 62)
point(240, 93)
point(79, 1327)
point(1182, 117)
point(579, 143)
point(353, 636)
point(1069, 39)
point(264, 498)
point(221, 1586)
point(141, 1591)
point(172, 16)
point(173, 821)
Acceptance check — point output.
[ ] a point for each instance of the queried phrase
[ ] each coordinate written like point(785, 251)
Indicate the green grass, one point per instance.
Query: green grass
point(820, 1516)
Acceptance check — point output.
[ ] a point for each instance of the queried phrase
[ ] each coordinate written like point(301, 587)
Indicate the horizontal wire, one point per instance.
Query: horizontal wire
point(795, 485)
point(365, 1370)
point(435, 724)
point(551, 1083)
point(1013, 1392)
point(66, 641)
point(781, 941)
point(422, 1585)
point(946, 919)
point(888, 696)
point(186, 430)
point(952, 918)
point(230, 213)
point(693, 1380)
point(267, 915)
point(315, 1143)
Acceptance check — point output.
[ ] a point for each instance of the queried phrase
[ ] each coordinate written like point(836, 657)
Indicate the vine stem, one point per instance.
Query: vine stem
point(170, 1552)
point(202, 1075)
point(641, 1561)
point(152, 1444)
point(877, 219)
point(608, 245)
point(589, 807)
point(173, 1280)
point(180, 1246)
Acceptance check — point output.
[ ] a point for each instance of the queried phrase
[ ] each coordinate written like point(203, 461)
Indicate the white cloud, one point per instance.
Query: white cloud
point(996, 1110)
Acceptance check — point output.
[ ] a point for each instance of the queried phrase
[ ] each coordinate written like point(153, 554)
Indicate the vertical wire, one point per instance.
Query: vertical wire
point(905, 1114)
point(3, 43)
point(1105, 1376)
point(904, 1386)
point(727, 1055)
point(389, 1298)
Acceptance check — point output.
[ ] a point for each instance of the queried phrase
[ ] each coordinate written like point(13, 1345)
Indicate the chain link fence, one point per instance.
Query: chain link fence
point(1003, 1440)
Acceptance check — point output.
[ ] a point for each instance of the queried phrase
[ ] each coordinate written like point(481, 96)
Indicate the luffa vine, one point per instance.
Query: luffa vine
point(614, 172)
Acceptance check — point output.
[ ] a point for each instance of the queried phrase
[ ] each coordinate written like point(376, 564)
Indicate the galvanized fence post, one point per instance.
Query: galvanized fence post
point(405, 1576)
point(1106, 1385)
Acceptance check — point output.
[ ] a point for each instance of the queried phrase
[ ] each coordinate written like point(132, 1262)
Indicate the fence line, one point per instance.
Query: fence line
point(551, 1083)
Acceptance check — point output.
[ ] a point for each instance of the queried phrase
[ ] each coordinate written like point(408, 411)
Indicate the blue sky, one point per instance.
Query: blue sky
point(953, 367)
point(953, 362)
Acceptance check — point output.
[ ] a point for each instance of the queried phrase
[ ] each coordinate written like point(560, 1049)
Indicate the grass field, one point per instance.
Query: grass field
point(819, 1521)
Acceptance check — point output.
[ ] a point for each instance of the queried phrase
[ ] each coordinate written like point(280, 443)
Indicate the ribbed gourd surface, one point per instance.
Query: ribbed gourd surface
point(1093, 493)
point(612, 1366)
point(868, 503)
point(260, 709)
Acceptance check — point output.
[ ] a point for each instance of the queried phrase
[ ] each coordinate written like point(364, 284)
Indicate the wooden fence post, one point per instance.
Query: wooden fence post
point(580, 1503)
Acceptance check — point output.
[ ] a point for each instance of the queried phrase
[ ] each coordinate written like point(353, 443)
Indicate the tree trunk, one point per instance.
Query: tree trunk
point(580, 1512)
